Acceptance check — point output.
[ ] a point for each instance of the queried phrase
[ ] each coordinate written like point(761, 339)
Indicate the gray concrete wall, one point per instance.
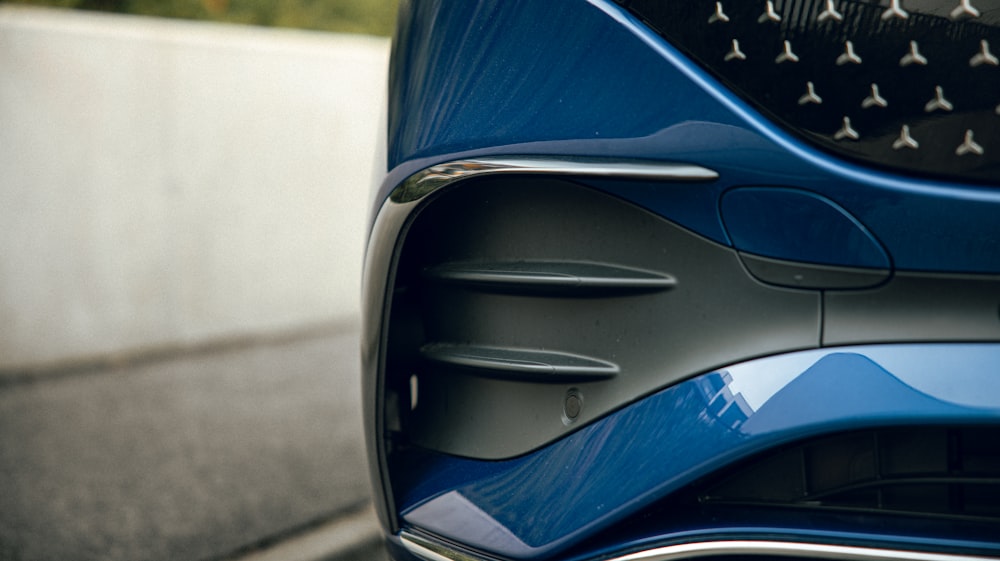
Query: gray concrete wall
point(168, 183)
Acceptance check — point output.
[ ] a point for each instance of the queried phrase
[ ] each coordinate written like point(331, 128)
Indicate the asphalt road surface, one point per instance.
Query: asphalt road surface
point(205, 456)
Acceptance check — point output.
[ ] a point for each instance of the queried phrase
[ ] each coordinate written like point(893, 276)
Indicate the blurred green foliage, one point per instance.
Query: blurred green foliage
point(376, 17)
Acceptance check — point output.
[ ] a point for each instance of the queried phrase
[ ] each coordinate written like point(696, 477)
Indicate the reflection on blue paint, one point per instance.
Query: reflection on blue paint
point(800, 226)
point(543, 502)
point(722, 405)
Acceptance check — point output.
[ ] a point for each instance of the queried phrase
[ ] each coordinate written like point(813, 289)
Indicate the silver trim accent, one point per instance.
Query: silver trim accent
point(432, 551)
point(969, 146)
point(429, 550)
point(810, 96)
point(786, 54)
point(787, 549)
point(433, 178)
point(719, 15)
point(896, 10)
point(964, 10)
point(905, 140)
point(846, 131)
point(939, 102)
point(735, 52)
point(874, 99)
point(984, 56)
point(849, 55)
point(913, 57)
point(830, 12)
point(770, 14)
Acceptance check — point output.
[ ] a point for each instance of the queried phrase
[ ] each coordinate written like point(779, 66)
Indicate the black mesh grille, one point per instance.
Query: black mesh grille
point(909, 84)
point(937, 472)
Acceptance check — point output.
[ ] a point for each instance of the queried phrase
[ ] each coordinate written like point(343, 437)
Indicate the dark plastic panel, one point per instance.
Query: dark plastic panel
point(807, 275)
point(715, 314)
point(916, 307)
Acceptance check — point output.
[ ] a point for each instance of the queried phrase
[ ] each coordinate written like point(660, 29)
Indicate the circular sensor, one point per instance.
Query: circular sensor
point(572, 406)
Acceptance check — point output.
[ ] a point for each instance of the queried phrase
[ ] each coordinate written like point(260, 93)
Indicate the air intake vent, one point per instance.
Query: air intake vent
point(937, 472)
point(524, 308)
point(910, 84)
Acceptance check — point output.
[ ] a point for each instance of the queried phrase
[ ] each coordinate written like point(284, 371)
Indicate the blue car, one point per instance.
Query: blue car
point(675, 279)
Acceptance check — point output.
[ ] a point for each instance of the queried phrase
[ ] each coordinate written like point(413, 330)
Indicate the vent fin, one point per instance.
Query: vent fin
point(529, 365)
point(582, 278)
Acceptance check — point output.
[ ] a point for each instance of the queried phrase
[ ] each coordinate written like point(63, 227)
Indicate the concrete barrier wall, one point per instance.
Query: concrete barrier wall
point(168, 183)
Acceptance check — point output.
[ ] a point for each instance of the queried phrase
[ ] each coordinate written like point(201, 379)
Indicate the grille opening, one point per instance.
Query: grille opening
point(945, 472)
point(869, 103)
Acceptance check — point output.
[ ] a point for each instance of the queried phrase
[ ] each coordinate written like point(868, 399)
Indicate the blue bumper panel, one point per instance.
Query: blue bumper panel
point(546, 501)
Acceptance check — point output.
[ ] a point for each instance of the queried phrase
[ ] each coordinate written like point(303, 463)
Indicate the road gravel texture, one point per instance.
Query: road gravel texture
point(198, 457)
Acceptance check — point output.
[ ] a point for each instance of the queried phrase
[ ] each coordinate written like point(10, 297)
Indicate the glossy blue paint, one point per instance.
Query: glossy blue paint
point(546, 501)
point(584, 78)
point(480, 74)
point(798, 226)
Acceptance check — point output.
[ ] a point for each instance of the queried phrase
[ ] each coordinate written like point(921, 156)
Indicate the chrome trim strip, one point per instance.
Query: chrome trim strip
point(433, 178)
point(432, 551)
point(788, 549)
point(429, 550)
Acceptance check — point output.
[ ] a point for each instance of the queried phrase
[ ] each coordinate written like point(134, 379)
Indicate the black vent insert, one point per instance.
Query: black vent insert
point(938, 472)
